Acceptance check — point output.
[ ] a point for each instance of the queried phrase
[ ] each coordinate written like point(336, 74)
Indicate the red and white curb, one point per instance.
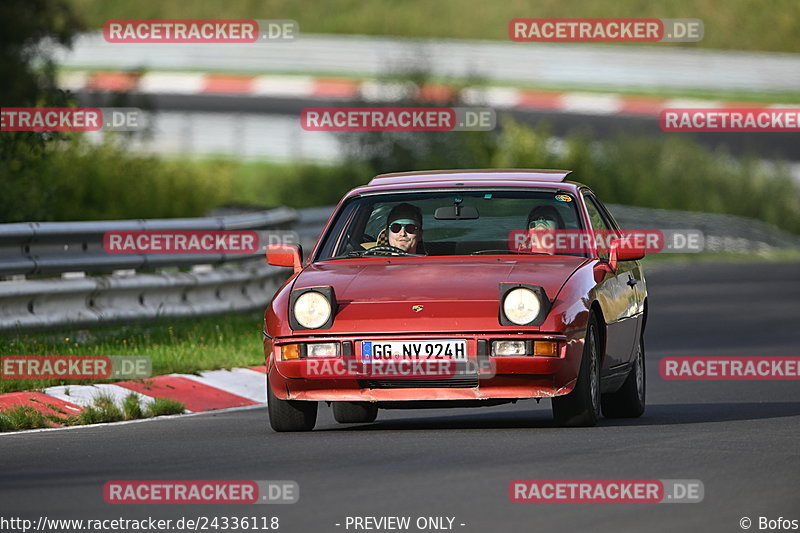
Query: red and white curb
point(372, 91)
point(209, 391)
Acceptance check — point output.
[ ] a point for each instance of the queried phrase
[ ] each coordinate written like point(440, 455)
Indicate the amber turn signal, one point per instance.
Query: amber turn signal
point(545, 348)
point(290, 351)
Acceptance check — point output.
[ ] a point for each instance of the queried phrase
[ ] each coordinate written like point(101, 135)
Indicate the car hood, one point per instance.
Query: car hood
point(378, 295)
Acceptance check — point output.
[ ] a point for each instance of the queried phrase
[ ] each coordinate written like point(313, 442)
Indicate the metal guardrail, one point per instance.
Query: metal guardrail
point(88, 301)
point(722, 233)
point(30, 248)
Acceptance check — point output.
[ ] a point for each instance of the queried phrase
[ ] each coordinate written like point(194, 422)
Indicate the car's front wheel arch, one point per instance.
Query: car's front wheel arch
point(581, 407)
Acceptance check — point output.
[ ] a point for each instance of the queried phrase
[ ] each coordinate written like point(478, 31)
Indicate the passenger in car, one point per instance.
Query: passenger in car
point(544, 220)
point(545, 217)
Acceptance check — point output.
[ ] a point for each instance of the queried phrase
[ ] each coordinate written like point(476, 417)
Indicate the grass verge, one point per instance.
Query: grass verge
point(22, 417)
point(174, 346)
point(104, 409)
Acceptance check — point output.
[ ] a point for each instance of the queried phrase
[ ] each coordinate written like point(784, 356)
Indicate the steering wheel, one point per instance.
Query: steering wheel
point(386, 248)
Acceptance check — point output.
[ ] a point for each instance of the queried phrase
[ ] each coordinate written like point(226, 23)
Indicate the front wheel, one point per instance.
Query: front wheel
point(290, 415)
point(581, 407)
point(629, 400)
point(355, 412)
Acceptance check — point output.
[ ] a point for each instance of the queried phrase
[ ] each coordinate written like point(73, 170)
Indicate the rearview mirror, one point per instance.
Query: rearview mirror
point(456, 212)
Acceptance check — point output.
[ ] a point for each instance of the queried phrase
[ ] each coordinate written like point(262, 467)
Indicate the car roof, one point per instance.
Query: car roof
point(499, 174)
point(509, 177)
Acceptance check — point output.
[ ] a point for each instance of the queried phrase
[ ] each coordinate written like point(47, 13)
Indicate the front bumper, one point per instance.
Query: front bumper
point(485, 376)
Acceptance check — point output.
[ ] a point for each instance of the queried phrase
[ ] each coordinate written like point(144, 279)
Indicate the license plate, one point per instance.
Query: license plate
point(435, 350)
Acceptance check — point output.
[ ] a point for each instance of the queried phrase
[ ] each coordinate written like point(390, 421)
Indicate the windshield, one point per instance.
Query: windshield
point(440, 223)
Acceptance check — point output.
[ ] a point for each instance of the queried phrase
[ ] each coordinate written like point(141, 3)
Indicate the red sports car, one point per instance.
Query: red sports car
point(459, 288)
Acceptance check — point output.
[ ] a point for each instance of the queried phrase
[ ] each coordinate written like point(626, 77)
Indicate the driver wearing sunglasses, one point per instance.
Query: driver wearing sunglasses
point(404, 228)
point(403, 231)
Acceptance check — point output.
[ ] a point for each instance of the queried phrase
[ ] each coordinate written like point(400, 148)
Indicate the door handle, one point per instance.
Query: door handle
point(631, 282)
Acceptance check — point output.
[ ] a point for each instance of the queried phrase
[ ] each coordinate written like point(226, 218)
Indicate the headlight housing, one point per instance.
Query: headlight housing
point(312, 308)
point(511, 348)
point(322, 349)
point(522, 304)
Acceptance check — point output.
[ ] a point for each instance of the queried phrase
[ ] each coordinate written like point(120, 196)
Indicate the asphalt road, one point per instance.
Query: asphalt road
point(739, 438)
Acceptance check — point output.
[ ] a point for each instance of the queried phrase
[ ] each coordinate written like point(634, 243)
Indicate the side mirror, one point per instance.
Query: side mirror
point(285, 255)
point(622, 250)
point(626, 251)
point(618, 250)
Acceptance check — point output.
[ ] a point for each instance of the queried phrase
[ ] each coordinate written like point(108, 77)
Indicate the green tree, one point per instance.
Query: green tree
point(30, 30)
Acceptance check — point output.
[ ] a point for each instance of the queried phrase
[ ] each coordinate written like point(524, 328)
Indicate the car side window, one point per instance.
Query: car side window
point(605, 213)
point(597, 219)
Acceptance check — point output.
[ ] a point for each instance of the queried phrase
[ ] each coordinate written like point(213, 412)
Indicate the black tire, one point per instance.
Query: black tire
point(581, 407)
point(290, 415)
point(355, 412)
point(629, 400)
